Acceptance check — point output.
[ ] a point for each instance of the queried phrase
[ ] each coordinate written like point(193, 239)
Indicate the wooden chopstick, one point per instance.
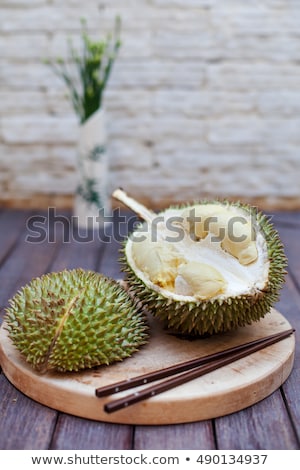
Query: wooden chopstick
point(177, 368)
point(224, 358)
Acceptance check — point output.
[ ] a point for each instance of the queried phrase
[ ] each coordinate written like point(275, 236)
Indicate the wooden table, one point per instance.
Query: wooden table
point(32, 243)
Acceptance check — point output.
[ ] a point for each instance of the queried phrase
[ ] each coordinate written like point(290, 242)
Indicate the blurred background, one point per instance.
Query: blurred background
point(203, 101)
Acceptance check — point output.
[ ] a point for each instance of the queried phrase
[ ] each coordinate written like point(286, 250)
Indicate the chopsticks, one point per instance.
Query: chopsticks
point(183, 372)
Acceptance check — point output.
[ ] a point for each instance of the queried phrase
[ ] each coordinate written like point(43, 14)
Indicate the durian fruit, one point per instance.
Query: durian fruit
point(204, 268)
point(74, 319)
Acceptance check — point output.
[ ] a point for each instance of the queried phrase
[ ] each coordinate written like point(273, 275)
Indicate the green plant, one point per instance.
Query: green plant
point(86, 72)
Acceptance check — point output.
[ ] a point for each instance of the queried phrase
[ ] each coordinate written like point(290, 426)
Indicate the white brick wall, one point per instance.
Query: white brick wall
point(204, 99)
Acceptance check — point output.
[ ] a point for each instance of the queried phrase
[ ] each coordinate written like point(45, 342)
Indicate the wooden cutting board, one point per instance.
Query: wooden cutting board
point(226, 390)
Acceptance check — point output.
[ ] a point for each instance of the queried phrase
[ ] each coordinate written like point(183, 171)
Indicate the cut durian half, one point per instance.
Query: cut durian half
point(73, 320)
point(206, 267)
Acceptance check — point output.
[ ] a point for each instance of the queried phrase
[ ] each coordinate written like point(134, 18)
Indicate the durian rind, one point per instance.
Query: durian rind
point(202, 317)
point(73, 320)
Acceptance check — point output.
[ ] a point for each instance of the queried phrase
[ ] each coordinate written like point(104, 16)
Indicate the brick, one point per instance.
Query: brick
point(183, 3)
point(16, 158)
point(131, 102)
point(42, 182)
point(13, 102)
point(153, 74)
point(190, 45)
point(135, 155)
point(148, 127)
point(22, 157)
point(283, 103)
point(273, 48)
point(18, 47)
point(28, 76)
point(254, 131)
point(44, 18)
point(22, 3)
point(260, 19)
point(202, 103)
point(39, 129)
point(243, 76)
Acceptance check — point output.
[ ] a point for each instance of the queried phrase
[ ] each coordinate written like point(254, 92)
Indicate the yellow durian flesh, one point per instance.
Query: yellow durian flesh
point(204, 280)
point(199, 219)
point(233, 229)
point(158, 259)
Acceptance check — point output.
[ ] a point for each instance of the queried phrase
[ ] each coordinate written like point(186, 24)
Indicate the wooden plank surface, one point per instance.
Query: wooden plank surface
point(188, 436)
point(20, 261)
point(11, 223)
point(83, 434)
point(25, 424)
point(258, 427)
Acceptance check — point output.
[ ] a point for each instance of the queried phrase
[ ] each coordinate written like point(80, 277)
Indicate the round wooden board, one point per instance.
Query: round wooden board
point(226, 390)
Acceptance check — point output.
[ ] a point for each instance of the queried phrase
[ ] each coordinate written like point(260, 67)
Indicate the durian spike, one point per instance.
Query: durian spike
point(132, 204)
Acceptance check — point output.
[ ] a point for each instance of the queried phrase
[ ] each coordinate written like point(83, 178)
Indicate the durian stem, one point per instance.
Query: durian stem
point(132, 204)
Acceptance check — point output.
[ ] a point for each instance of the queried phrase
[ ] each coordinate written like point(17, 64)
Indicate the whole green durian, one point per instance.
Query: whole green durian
point(74, 319)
